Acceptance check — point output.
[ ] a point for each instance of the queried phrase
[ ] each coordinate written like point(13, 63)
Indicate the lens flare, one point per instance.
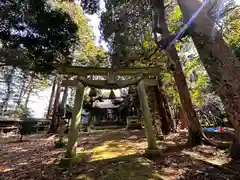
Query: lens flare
point(219, 11)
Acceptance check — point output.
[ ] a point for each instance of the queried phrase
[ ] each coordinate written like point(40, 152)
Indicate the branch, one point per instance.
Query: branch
point(165, 7)
point(155, 51)
point(228, 10)
point(2, 64)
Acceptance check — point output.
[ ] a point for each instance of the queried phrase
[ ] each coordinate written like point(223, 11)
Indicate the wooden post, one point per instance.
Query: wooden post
point(146, 116)
point(74, 127)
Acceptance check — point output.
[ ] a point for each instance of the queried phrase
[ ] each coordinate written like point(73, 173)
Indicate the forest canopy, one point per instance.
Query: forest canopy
point(34, 35)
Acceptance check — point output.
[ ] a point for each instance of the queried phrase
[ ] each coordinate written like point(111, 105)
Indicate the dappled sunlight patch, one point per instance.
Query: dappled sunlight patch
point(160, 175)
point(16, 149)
point(51, 138)
point(169, 173)
point(169, 143)
point(80, 149)
point(208, 154)
point(22, 164)
point(5, 169)
point(133, 137)
point(83, 177)
point(111, 149)
point(111, 156)
point(210, 159)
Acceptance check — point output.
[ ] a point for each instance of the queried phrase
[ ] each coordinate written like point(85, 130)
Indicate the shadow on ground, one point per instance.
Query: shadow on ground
point(116, 155)
point(91, 140)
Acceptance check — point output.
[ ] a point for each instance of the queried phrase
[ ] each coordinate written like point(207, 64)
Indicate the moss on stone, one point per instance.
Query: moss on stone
point(151, 153)
point(68, 162)
point(60, 144)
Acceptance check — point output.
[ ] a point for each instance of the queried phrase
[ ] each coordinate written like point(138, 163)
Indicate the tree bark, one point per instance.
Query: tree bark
point(74, 127)
point(194, 127)
point(222, 65)
point(55, 115)
point(171, 121)
point(64, 101)
point(29, 90)
point(146, 116)
point(157, 119)
point(166, 126)
point(28, 97)
point(51, 98)
point(9, 81)
point(21, 92)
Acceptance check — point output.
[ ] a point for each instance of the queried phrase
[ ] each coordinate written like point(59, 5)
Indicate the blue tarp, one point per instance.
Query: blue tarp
point(212, 129)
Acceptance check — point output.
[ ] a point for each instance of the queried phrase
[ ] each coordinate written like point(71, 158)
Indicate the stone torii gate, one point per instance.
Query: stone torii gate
point(141, 77)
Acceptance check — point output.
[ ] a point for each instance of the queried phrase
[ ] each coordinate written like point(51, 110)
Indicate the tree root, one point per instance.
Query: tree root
point(233, 144)
point(222, 168)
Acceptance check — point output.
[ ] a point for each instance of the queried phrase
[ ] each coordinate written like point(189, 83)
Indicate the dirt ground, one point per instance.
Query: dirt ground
point(113, 155)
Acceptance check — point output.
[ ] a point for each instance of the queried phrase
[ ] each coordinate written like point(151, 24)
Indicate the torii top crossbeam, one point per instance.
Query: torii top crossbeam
point(111, 81)
point(82, 71)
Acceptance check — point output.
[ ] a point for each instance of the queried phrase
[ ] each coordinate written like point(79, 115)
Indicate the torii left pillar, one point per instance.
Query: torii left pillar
point(74, 126)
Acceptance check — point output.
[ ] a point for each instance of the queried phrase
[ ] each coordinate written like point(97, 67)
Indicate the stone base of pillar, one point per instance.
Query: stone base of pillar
point(69, 162)
point(151, 153)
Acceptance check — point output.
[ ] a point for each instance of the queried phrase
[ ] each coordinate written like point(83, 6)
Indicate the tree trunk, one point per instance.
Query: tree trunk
point(163, 96)
point(64, 101)
point(29, 90)
point(166, 127)
point(28, 97)
point(21, 92)
point(55, 115)
point(9, 81)
point(170, 117)
point(222, 65)
point(157, 120)
point(182, 119)
point(51, 98)
point(194, 127)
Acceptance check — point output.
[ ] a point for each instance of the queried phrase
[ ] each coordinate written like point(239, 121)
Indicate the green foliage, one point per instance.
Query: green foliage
point(126, 26)
point(23, 112)
point(34, 35)
point(175, 20)
point(232, 30)
point(169, 86)
point(198, 82)
point(86, 52)
point(60, 144)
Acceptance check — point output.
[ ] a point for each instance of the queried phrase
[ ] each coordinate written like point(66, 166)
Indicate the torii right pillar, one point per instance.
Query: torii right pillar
point(152, 146)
